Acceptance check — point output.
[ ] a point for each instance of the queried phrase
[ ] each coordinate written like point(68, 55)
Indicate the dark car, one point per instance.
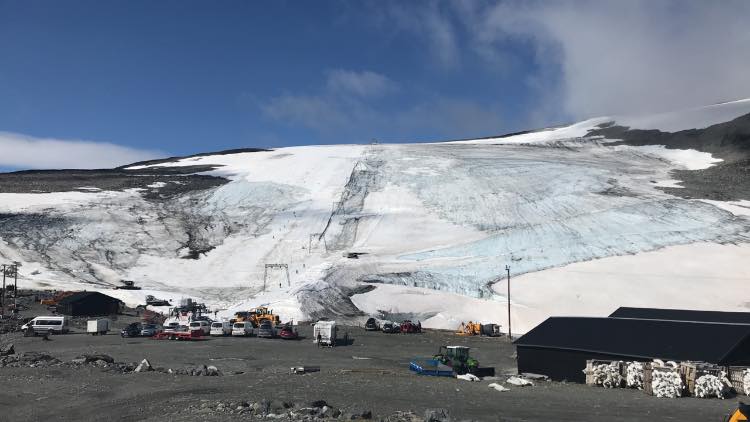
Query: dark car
point(131, 330)
point(391, 327)
point(372, 325)
point(409, 327)
point(266, 330)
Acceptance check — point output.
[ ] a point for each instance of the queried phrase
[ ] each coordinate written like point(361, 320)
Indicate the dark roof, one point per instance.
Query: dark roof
point(640, 338)
point(683, 315)
point(79, 296)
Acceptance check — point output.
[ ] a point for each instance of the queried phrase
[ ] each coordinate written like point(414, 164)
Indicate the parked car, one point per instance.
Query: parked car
point(288, 332)
point(266, 330)
point(47, 324)
point(150, 330)
point(391, 327)
point(203, 326)
point(372, 325)
point(221, 328)
point(131, 330)
point(171, 327)
point(242, 329)
point(409, 327)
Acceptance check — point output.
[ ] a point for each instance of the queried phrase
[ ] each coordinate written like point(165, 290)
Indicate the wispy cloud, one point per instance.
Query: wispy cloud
point(431, 22)
point(19, 151)
point(356, 106)
point(363, 84)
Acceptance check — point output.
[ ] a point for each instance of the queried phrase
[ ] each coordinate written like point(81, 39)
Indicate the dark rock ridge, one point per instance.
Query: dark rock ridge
point(728, 180)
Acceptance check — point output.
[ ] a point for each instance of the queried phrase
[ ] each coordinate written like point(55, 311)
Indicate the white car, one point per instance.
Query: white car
point(221, 328)
point(242, 329)
point(203, 326)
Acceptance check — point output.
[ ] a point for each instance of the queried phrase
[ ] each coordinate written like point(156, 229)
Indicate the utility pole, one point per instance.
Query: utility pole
point(510, 335)
point(15, 286)
point(2, 298)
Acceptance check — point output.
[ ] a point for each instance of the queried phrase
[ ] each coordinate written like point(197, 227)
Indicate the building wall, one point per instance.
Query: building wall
point(559, 364)
point(90, 306)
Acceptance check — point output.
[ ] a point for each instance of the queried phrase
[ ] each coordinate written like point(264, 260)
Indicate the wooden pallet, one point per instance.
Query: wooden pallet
point(691, 371)
point(648, 377)
point(590, 364)
point(735, 375)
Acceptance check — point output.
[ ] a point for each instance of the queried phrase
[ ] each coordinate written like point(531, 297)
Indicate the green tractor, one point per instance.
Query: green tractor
point(457, 357)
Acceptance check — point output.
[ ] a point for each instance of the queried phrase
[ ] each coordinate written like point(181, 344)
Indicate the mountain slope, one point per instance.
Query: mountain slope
point(589, 217)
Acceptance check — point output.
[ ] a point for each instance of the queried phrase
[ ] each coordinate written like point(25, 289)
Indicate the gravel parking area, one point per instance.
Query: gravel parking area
point(369, 375)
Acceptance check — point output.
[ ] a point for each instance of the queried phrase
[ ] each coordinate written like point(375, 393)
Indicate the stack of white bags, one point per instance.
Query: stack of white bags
point(666, 382)
point(712, 386)
point(608, 375)
point(634, 377)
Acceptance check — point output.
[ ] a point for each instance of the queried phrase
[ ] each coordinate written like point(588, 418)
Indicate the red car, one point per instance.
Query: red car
point(410, 327)
point(288, 332)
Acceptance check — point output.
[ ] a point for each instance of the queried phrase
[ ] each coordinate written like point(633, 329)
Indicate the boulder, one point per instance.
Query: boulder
point(95, 357)
point(328, 412)
point(144, 366)
point(7, 350)
point(437, 415)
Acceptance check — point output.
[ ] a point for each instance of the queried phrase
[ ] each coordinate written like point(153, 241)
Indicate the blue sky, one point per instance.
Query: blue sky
point(124, 80)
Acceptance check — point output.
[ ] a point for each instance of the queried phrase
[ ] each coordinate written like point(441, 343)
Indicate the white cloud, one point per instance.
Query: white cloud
point(626, 56)
point(27, 152)
point(363, 84)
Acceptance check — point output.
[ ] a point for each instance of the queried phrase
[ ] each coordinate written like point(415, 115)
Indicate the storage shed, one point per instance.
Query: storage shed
point(682, 315)
point(88, 304)
point(560, 346)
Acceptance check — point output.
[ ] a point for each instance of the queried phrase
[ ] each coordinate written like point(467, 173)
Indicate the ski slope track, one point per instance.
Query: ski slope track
point(609, 212)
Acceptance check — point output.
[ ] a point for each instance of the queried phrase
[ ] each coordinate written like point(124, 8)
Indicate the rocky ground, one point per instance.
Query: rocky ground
point(82, 377)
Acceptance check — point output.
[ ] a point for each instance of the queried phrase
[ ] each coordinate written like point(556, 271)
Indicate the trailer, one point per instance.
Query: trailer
point(98, 326)
point(324, 333)
point(179, 335)
point(430, 366)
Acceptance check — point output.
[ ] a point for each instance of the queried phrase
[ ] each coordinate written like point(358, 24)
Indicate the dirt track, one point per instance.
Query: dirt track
point(371, 374)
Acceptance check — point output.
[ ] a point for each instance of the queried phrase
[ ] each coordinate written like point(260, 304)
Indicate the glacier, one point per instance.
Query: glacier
point(423, 231)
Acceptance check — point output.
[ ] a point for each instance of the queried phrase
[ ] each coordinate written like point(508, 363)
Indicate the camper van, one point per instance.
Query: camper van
point(324, 333)
point(47, 324)
point(221, 328)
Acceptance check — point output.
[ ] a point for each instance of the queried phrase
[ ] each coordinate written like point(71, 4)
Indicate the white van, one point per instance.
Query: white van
point(242, 329)
point(203, 326)
point(47, 324)
point(221, 328)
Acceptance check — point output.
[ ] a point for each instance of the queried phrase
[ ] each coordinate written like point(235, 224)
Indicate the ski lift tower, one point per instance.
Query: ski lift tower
point(285, 267)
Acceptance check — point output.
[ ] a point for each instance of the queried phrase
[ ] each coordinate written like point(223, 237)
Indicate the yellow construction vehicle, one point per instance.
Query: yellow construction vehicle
point(741, 414)
point(469, 329)
point(258, 315)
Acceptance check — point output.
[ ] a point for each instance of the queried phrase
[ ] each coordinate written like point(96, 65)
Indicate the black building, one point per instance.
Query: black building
point(88, 304)
point(560, 346)
point(683, 315)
